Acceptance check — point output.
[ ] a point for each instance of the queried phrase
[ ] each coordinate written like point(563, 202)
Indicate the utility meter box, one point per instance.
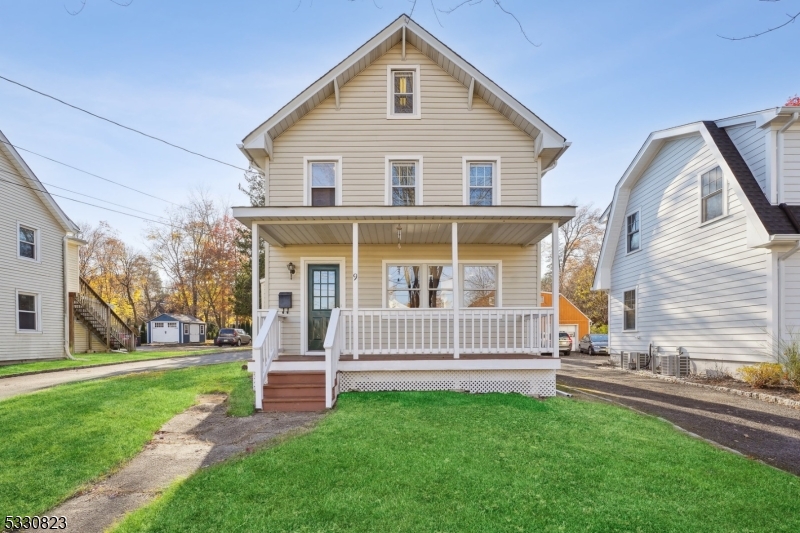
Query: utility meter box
point(285, 300)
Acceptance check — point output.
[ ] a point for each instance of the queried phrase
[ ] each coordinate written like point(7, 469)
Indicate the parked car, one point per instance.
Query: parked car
point(234, 337)
point(564, 343)
point(593, 344)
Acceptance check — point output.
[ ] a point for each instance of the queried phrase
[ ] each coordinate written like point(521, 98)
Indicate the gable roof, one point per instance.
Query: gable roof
point(770, 219)
point(35, 185)
point(551, 144)
point(177, 317)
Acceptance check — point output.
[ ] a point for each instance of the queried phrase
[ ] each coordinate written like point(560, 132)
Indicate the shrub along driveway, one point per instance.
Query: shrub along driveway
point(768, 432)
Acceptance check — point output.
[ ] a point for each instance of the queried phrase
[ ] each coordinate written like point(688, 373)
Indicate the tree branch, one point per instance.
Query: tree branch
point(499, 5)
point(792, 18)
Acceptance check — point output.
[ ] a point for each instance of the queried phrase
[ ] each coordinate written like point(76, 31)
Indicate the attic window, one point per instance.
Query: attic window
point(711, 194)
point(403, 92)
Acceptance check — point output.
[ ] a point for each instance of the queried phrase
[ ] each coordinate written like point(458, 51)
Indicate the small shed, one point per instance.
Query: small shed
point(570, 318)
point(173, 328)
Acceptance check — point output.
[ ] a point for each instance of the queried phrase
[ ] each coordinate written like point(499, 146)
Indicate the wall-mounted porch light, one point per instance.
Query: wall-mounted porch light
point(292, 270)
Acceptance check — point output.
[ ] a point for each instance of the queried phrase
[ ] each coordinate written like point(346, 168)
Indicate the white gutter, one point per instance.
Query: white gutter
point(66, 298)
point(554, 164)
point(781, 282)
point(779, 149)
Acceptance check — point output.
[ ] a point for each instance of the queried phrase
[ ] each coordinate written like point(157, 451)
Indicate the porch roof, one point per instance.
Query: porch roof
point(499, 225)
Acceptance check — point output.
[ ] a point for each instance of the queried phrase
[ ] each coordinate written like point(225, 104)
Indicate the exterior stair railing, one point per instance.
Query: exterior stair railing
point(97, 315)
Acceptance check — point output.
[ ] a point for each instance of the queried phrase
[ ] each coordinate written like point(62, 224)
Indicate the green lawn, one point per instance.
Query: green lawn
point(58, 439)
point(449, 462)
point(95, 359)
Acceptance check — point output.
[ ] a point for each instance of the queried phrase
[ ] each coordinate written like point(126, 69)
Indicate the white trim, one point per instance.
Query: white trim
point(725, 197)
point(38, 298)
point(496, 175)
point(37, 248)
point(635, 290)
point(307, 160)
point(638, 212)
point(417, 100)
point(361, 365)
point(389, 159)
point(304, 262)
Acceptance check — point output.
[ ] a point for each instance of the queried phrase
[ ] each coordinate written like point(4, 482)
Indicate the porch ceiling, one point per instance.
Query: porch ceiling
point(498, 225)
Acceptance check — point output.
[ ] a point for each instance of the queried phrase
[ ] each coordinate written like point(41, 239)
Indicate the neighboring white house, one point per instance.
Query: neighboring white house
point(403, 219)
point(699, 251)
point(39, 274)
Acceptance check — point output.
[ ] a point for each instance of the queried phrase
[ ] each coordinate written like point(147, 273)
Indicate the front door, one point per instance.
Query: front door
point(194, 332)
point(323, 296)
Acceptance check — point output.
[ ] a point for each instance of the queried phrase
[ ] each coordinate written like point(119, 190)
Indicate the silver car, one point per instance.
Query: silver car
point(594, 344)
point(244, 336)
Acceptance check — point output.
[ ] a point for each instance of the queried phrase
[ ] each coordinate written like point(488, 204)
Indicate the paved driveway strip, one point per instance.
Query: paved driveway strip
point(24, 384)
point(765, 431)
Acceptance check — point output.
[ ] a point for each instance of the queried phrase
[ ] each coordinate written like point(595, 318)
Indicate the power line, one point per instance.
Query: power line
point(85, 172)
point(83, 194)
point(121, 125)
point(92, 205)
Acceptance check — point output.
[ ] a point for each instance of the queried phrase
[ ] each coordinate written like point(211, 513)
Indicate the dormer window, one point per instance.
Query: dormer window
point(403, 91)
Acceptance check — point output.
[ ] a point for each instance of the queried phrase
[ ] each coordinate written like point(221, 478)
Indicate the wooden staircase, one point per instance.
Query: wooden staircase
point(294, 391)
point(98, 317)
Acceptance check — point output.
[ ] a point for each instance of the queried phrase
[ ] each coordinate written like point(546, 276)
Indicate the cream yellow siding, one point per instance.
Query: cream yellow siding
point(73, 267)
point(43, 277)
point(360, 133)
point(86, 341)
point(517, 284)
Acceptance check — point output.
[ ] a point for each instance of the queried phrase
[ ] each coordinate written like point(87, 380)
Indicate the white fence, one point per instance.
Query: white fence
point(265, 350)
point(431, 331)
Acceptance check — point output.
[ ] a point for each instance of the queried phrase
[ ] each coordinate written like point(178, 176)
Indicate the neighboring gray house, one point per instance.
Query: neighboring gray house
point(699, 251)
point(175, 328)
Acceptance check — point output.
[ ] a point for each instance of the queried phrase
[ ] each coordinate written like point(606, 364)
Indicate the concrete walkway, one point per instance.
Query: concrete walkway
point(765, 431)
point(24, 384)
point(200, 436)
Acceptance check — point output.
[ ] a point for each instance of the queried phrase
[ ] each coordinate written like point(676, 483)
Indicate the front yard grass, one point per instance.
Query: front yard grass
point(56, 440)
point(96, 359)
point(449, 462)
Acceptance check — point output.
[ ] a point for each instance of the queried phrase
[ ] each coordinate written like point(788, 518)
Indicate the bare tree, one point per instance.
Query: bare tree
point(83, 5)
point(791, 19)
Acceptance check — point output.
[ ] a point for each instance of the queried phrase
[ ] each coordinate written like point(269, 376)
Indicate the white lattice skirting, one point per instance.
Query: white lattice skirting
point(528, 382)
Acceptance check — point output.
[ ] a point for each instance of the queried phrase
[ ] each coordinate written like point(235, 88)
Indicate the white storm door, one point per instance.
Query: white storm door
point(194, 332)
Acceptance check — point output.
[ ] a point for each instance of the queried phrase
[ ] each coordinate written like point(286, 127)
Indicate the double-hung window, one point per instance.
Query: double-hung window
point(633, 241)
point(402, 85)
point(323, 180)
point(480, 285)
point(404, 183)
point(481, 180)
point(712, 194)
point(27, 312)
point(629, 310)
point(28, 244)
point(186, 329)
point(419, 286)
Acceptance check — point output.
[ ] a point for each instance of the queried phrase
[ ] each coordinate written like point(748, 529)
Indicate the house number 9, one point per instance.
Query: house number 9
point(355, 276)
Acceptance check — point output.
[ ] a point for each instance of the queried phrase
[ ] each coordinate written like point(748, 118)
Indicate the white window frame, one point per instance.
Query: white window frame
point(36, 245)
point(498, 299)
point(307, 160)
point(202, 329)
point(637, 212)
point(389, 159)
point(38, 298)
point(465, 163)
point(635, 309)
point(172, 324)
point(390, 114)
point(158, 324)
point(186, 329)
point(425, 263)
point(724, 192)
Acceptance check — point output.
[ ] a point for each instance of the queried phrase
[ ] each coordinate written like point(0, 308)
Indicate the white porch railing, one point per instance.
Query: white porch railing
point(265, 350)
point(332, 345)
point(430, 331)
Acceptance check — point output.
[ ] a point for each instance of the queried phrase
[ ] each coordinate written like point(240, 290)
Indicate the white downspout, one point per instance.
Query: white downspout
point(781, 282)
point(66, 299)
point(779, 149)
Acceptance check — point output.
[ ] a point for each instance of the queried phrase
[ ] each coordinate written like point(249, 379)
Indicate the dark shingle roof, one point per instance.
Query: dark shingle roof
point(773, 217)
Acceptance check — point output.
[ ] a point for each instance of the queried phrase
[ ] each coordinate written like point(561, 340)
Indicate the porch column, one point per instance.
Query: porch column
point(256, 278)
point(456, 293)
point(355, 290)
point(556, 294)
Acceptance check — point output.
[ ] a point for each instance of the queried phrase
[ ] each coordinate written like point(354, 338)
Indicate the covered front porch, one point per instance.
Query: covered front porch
point(425, 297)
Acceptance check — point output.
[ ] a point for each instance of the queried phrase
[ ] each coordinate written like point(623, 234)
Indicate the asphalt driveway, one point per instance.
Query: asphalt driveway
point(764, 431)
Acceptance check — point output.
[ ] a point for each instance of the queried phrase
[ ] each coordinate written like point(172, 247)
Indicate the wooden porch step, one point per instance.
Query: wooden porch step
point(300, 378)
point(299, 404)
point(292, 390)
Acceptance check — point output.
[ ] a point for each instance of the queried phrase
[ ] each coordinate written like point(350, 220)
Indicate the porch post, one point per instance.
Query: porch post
point(355, 291)
point(556, 293)
point(456, 293)
point(256, 278)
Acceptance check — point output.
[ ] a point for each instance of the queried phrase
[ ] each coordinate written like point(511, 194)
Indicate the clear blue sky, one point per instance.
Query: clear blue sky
point(203, 74)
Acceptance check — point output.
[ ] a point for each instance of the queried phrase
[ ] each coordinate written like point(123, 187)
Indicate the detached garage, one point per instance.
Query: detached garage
point(570, 320)
point(175, 329)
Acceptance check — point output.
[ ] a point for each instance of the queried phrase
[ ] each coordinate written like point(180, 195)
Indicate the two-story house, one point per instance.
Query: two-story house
point(401, 229)
point(46, 310)
point(700, 249)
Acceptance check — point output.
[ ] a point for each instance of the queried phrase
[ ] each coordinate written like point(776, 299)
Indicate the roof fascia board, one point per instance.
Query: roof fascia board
point(26, 172)
point(354, 213)
point(761, 118)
